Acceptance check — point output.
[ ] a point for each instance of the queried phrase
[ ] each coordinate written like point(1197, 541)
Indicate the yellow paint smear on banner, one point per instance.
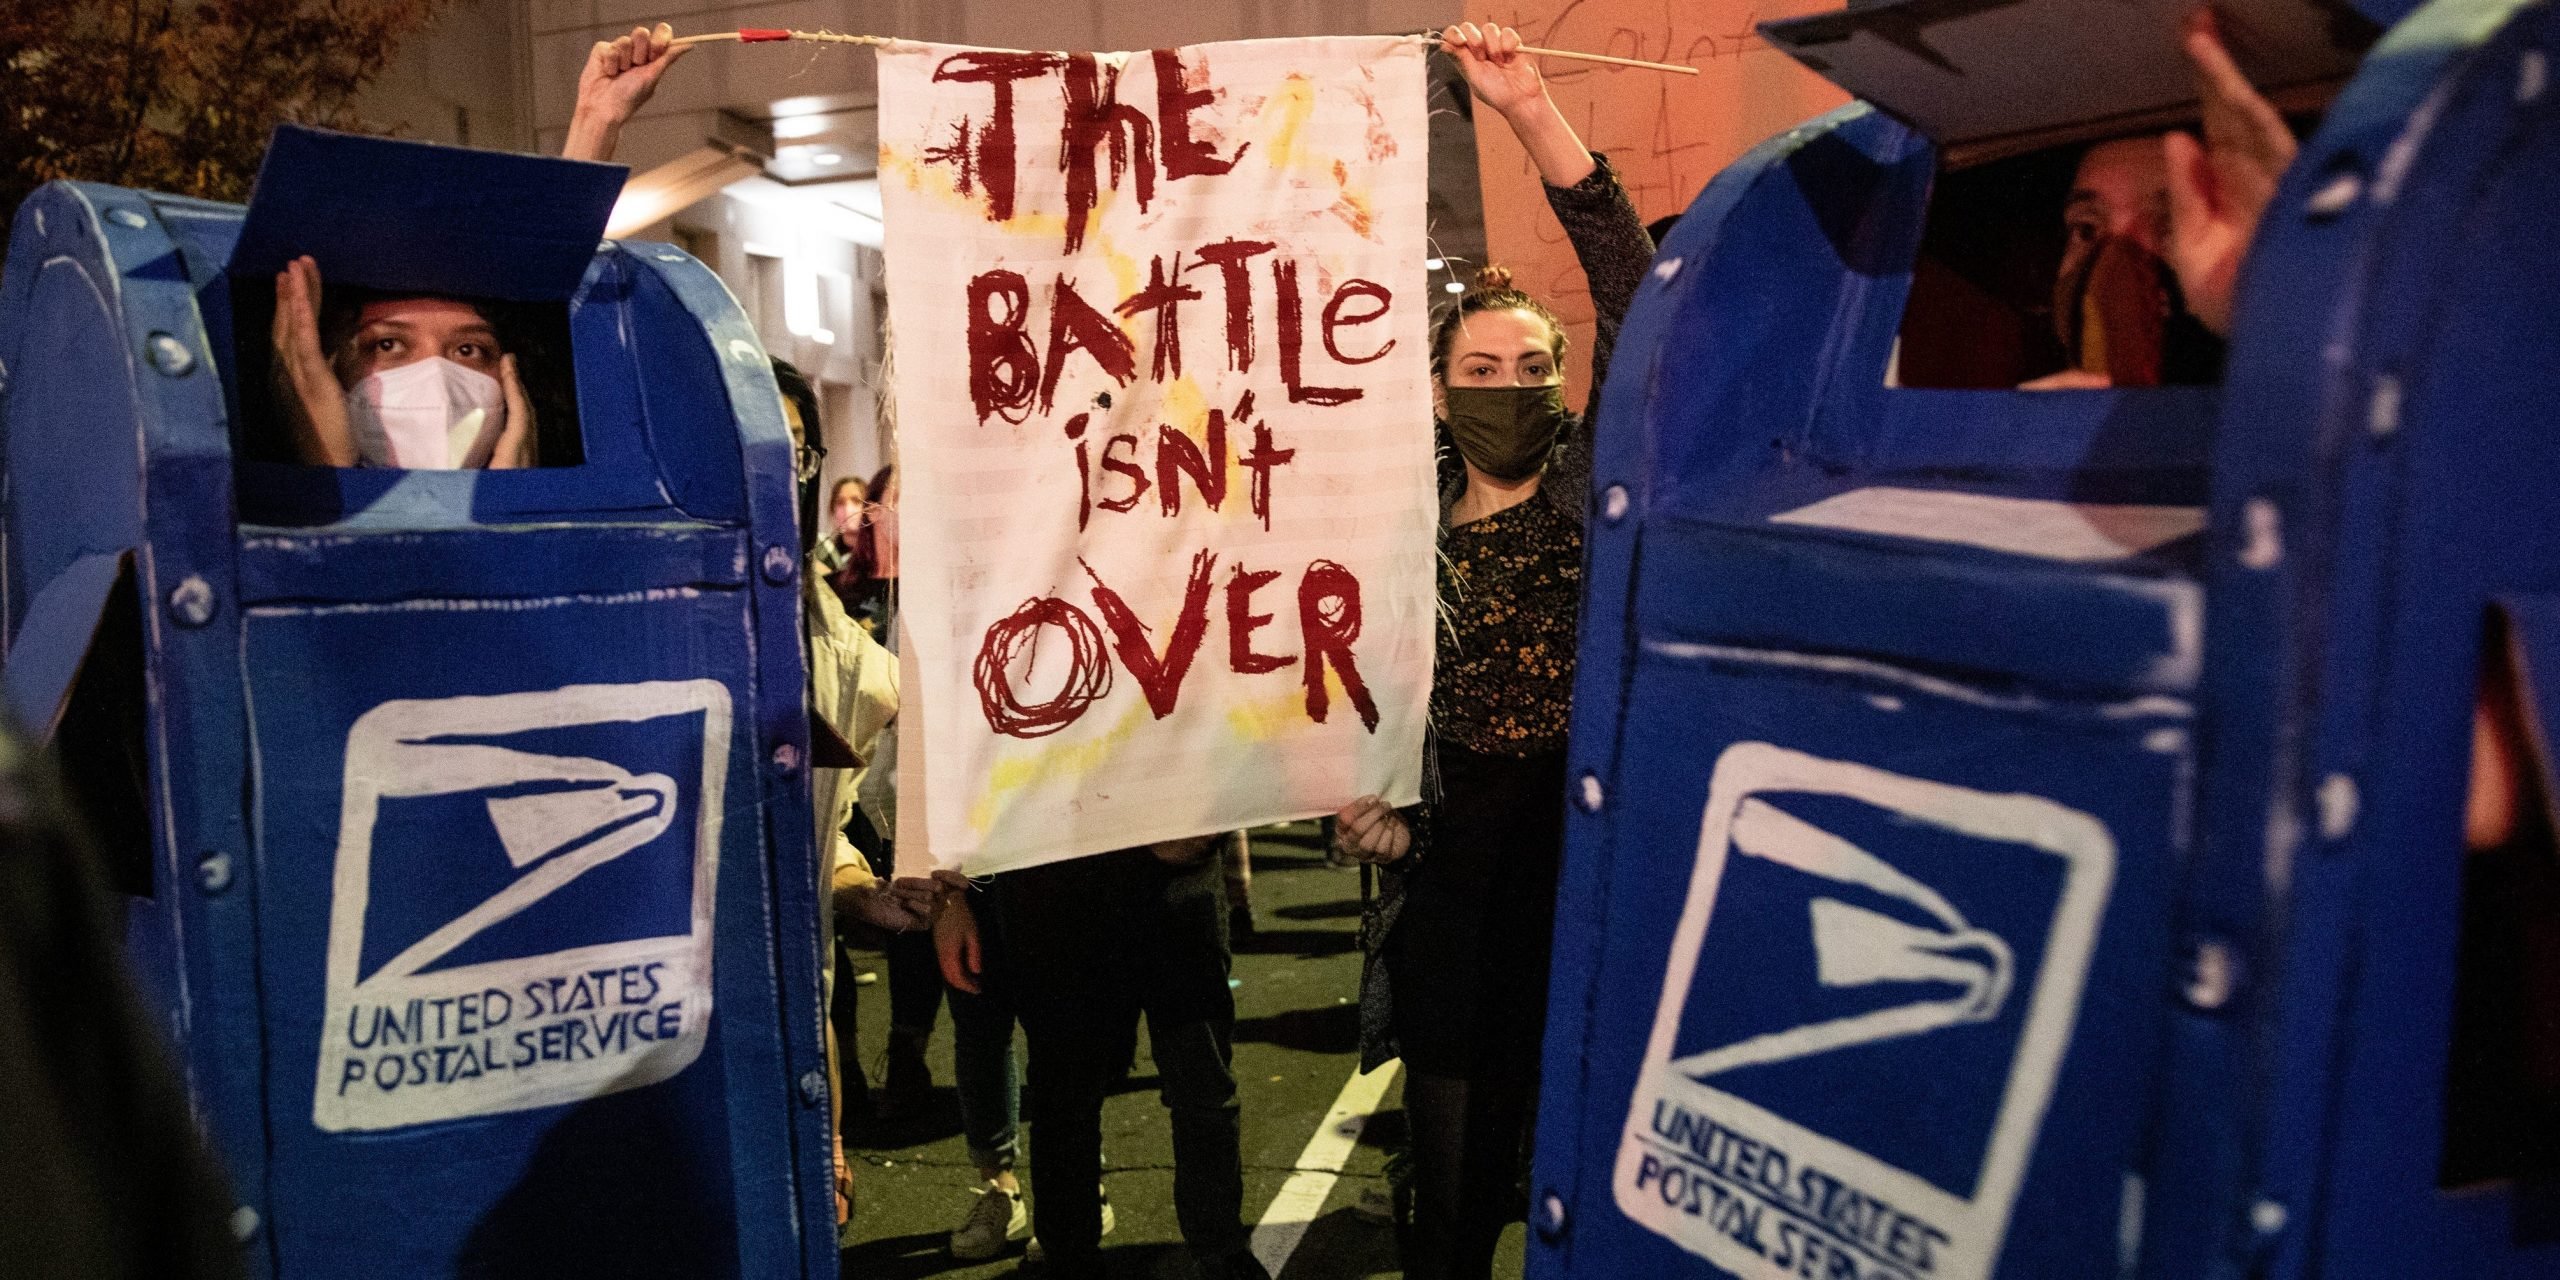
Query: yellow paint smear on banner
point(1060, 761)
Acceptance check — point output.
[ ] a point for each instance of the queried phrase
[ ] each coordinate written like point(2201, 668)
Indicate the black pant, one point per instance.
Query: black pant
point(1092, 943)
point(1469, 961)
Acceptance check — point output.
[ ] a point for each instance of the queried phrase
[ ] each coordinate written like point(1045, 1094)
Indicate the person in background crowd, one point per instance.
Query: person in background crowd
point(867, 582)
point(853, 697)
point(844, 524)
point(867, 572)
point(982, 1020)
point(1091, 944)
point(1459, 938)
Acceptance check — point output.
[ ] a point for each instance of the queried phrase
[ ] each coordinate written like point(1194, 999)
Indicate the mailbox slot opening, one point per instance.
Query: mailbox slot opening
point(1980, 315)
point(536, 333)
point(1998, 238)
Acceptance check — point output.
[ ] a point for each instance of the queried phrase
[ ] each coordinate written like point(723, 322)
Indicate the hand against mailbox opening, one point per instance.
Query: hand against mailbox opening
point(2219, 187)
point(306, 387)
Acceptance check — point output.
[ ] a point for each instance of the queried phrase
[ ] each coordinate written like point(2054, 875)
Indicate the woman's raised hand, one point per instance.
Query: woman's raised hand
point(616, 82)
point(1498, 74)
point(1505, 77)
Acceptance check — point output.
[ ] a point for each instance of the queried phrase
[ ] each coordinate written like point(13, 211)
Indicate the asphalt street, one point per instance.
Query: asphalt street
point(1296, 984)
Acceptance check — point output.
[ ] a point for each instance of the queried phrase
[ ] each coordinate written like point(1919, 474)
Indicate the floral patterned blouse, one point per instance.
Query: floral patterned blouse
point(1510, 592)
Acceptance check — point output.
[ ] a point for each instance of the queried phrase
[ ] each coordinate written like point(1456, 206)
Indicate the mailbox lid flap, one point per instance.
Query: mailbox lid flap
point(393, 214)
point(1988, 79)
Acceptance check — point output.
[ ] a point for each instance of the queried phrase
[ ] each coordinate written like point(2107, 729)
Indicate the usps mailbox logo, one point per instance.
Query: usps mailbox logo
point(1871, 988)
point(521, 909)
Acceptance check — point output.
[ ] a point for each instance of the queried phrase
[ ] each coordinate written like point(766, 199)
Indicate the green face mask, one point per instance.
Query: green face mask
point(1506, 432)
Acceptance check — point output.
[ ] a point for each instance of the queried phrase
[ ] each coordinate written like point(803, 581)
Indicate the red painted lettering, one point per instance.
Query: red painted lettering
point(1096, 119)
point(1260, 462)
point(1242, 622)
point(1161, 678)
point(1003, 369)
point(1335, 319)
point(1137, 474)
point(1284, 274)
point(1088, 669)
point(1075, 326)
point(1329, 620)
point(989, 157)
point(1163, 295)
point(1175, 453)
point(1178, 94)
point(1230, 258)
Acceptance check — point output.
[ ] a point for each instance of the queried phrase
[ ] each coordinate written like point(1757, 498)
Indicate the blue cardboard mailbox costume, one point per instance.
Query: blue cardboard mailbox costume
point(2021, 835)
point(482, 894)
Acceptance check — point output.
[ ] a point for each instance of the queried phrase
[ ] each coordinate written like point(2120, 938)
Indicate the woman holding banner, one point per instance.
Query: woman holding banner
point(1461, 935)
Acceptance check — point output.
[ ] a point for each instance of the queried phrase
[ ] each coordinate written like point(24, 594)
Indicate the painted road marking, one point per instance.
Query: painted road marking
point(1302, 1197)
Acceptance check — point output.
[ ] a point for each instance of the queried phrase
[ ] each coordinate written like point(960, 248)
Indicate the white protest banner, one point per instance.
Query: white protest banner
point(1164, 429)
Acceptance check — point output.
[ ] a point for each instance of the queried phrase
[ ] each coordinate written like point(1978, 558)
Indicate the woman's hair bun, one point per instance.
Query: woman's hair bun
point(1490, 277)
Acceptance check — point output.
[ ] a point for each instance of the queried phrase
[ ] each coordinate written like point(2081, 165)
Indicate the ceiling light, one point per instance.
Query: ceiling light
point(1433, 264)
point(828, 158)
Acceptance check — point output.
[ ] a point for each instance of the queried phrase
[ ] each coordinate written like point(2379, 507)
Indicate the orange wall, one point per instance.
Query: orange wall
point(1667, 134)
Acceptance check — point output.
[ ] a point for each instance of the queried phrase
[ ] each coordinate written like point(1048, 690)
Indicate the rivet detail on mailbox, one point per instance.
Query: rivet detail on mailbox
point(2212, 975)
point(2382, 413)
point(169, 355)
point(2338, 803)
point(2334, 196)
point(778, 562)
point(2262, 545)
point(191, 601)
point(1551, 1216)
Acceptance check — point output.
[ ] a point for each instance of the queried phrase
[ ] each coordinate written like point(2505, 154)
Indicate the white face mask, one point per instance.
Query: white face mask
point(430, 414)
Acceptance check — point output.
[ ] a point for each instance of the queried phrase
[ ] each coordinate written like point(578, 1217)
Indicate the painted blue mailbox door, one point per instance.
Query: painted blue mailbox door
point(486, 911)
point(1884, 720)
point(496, 869)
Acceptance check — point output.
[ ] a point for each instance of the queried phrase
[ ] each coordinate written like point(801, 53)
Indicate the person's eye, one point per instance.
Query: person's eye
point(386, 346)
point(1480, 371)
point(1539, 371)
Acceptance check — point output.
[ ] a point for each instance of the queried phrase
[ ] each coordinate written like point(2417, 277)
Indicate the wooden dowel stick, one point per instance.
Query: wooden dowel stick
point(1612, 59)
point(760, 36)
point(755, 35)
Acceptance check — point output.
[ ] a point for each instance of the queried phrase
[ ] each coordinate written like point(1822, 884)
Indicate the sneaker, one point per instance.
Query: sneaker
point(996, 1220)
point(1032, 1253)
